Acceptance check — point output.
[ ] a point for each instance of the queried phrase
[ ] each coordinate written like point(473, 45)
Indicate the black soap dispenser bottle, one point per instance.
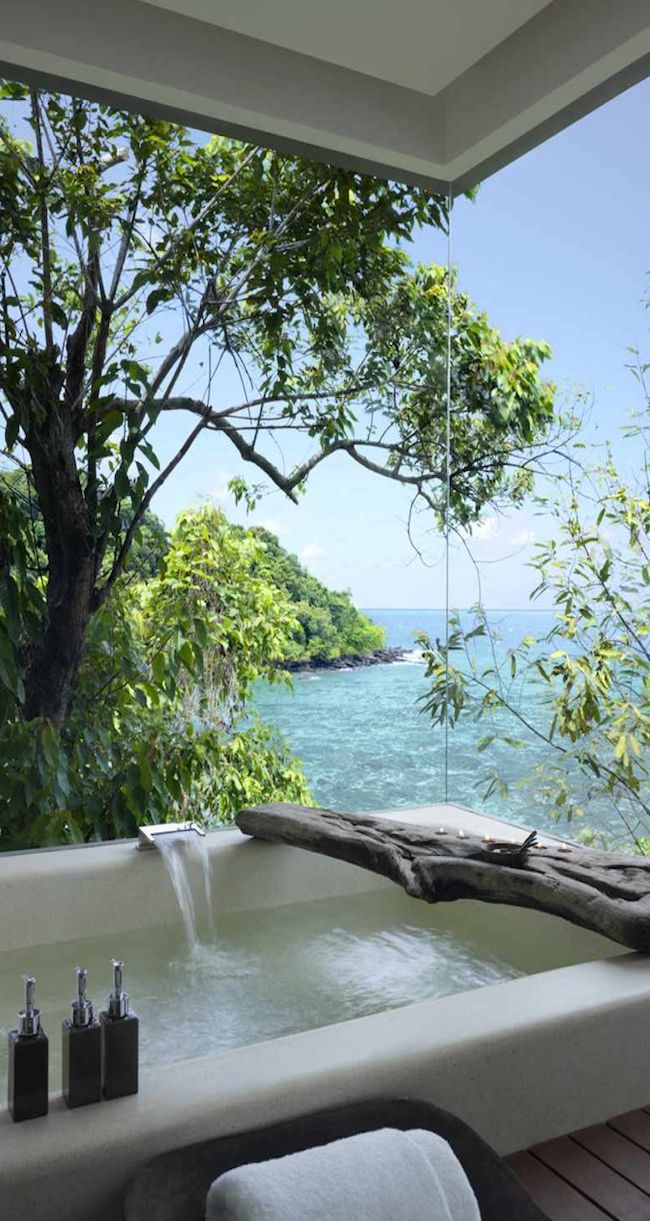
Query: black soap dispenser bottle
point(119, 1026)
point(82, 1049)
point(28, 1061)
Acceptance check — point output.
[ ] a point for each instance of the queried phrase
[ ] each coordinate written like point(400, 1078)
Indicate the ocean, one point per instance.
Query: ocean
point(366, 745)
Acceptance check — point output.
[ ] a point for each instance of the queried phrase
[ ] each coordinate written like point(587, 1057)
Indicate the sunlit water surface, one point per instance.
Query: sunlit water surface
point(366, 745)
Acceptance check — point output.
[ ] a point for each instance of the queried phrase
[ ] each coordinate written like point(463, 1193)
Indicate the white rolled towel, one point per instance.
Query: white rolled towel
point(387, 1175)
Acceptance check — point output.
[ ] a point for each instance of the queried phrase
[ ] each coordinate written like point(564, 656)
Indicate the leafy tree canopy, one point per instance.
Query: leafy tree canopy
point(135, 262)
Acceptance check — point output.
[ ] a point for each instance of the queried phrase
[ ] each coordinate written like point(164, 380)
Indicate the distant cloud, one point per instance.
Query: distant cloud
point(523, 538)
point(487, 528)
point(491, 529)
point(311, 554)
point(221, 493)
point(271, 525)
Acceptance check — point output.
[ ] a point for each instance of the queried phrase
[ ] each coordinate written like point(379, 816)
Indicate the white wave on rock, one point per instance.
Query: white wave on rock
point(414, 657)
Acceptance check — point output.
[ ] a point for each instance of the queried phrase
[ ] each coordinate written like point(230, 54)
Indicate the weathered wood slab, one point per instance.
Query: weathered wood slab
point(607, 893)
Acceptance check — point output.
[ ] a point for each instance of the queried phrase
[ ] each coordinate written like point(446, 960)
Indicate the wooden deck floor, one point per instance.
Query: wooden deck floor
point(597, 1174)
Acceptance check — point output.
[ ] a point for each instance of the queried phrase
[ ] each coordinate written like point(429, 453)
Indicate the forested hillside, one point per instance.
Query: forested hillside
point(328, 624)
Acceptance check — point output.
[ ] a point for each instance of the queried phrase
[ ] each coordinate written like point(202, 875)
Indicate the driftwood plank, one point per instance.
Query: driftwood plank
point(607, 893)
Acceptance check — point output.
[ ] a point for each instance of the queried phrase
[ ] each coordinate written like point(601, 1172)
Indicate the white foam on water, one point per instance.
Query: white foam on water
point(414, 657)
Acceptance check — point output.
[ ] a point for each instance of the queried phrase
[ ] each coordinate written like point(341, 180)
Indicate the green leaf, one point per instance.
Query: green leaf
point(154, 300)
point(483, 743)
point(58, 315)
point(50, 746)
point(186, 654)
point(11, 431)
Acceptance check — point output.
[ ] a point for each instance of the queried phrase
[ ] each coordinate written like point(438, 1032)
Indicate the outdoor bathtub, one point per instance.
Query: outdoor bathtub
point(563, 1046)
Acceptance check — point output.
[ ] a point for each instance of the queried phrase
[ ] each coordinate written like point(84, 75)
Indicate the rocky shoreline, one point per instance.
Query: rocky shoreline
point(352, 661)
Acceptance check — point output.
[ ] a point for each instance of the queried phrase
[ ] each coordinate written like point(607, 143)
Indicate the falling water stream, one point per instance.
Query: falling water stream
point(187, 861)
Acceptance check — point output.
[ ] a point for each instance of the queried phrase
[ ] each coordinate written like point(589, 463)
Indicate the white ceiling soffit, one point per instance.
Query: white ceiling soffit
point(434, 92)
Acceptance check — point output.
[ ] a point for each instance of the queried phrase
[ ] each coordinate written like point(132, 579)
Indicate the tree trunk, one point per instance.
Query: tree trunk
point(607, 893)
point(52, 663)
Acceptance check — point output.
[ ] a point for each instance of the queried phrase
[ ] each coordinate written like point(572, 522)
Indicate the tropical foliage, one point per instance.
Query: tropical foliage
point(159, 727)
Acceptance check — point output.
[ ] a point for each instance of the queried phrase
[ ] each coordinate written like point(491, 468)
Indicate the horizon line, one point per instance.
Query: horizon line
point(536, 610)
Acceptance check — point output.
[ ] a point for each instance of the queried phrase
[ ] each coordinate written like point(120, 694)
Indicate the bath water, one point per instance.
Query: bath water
point(270, 973)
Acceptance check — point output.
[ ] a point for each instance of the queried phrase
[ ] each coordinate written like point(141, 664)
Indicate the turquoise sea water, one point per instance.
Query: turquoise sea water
point(366, 746)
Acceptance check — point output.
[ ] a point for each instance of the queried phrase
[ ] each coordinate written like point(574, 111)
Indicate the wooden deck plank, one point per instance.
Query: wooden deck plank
point(557, 1199)
point(619, 1153)
point(603, 1186)
point(635, 1125)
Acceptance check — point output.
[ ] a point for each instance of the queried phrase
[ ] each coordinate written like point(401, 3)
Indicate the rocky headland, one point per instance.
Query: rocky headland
point(351, 661)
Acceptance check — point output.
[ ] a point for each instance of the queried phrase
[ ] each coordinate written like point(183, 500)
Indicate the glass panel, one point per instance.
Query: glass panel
point(549, 679)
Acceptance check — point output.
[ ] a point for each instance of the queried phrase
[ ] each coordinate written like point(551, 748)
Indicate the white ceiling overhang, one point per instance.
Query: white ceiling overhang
point(435, 92)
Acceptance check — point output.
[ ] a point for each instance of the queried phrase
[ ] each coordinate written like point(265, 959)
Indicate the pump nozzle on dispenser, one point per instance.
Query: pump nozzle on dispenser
point(82, 1008)
point(29, 1018)
point(118, 1001)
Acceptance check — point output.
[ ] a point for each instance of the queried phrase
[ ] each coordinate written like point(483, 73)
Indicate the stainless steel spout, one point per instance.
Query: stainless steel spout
point(148, 835)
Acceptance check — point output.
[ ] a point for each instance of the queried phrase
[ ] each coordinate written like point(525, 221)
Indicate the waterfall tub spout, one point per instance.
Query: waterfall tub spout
point(148, 835)
point(183, 848)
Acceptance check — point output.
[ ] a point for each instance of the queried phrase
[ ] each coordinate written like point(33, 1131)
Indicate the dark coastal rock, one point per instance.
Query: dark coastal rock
point(353, 661)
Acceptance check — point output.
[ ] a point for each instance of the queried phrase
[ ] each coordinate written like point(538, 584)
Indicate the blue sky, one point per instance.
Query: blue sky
point(555, 247)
